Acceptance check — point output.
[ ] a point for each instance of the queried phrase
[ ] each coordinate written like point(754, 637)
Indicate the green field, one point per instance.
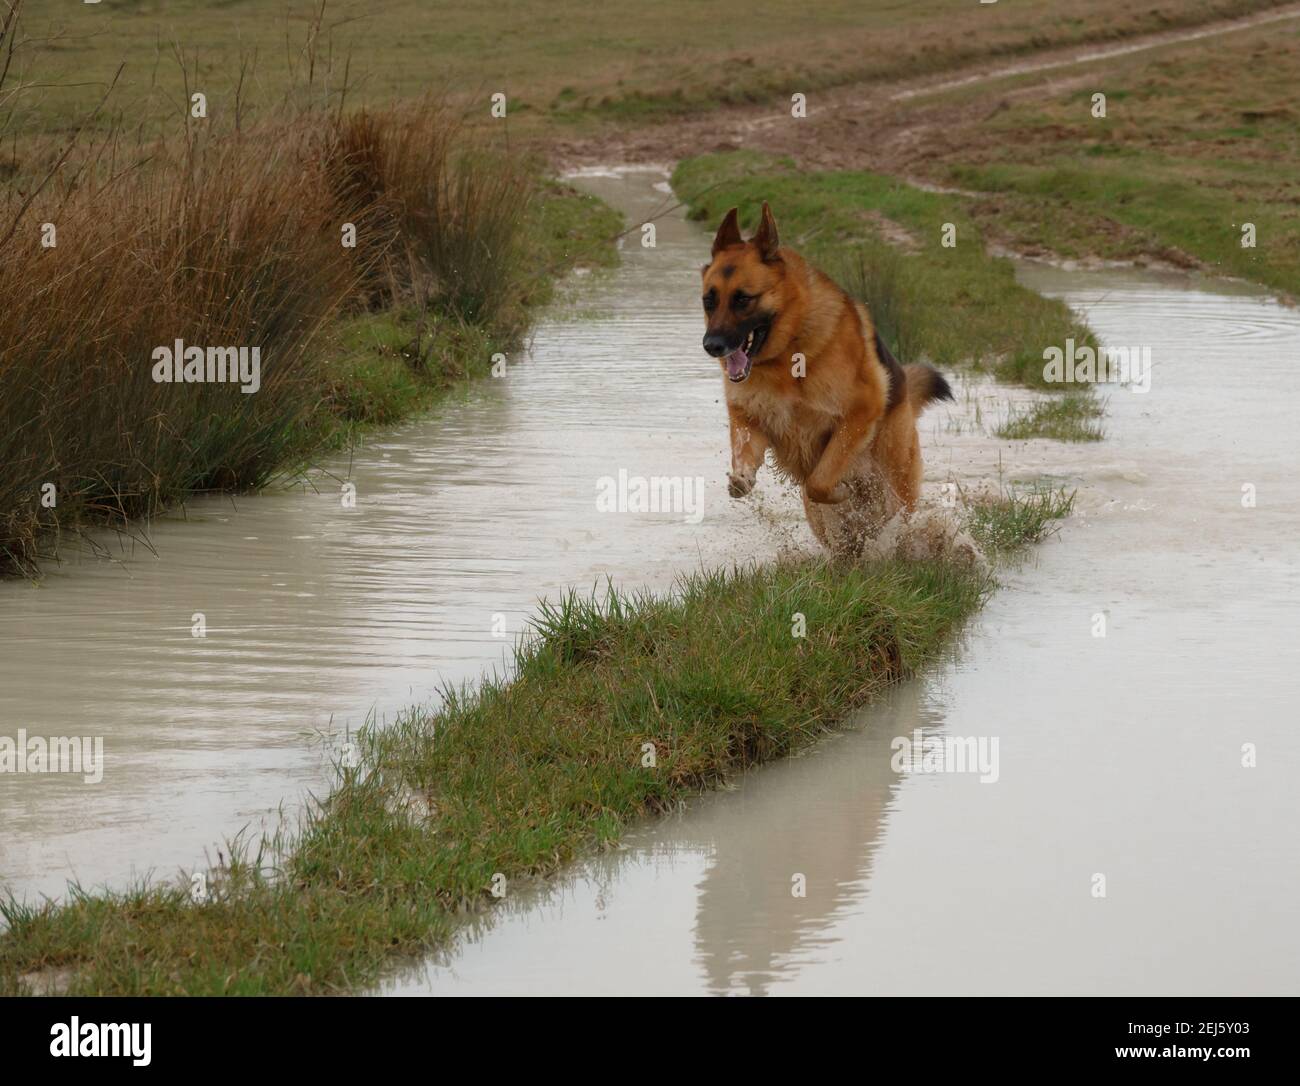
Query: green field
point(1197, 141)
point(552, 58)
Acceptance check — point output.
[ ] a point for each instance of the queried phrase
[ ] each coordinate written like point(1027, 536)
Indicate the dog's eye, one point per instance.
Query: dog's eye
point(740, 299)
point(710, 301)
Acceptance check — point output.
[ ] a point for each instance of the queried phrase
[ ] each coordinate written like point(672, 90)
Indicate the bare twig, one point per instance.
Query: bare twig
point(31, 196)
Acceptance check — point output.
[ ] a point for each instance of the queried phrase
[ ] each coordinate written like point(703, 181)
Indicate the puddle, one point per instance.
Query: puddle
point(318, 615)
point(1119, 756)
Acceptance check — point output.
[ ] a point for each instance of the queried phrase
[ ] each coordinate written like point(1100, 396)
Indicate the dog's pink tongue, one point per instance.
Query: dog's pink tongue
point(736, 362)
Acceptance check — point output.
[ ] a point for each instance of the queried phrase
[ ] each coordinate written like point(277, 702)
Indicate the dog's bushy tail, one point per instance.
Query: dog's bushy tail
point(924, 384)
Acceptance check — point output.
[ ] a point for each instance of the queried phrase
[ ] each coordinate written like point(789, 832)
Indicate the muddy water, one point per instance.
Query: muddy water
point(1119, 755)
point(318, 615)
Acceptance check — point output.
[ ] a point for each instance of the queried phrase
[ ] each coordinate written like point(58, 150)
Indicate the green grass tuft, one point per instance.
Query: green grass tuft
point(1072, 417)
point(1013, 520)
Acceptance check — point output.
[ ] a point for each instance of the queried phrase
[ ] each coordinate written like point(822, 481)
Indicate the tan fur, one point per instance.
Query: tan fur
point(856, 462)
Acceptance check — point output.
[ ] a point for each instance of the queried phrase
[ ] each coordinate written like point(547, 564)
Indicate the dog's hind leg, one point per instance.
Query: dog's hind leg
point(898, 450)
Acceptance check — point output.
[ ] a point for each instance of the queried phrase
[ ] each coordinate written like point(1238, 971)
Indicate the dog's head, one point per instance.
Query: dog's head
point(744, 292)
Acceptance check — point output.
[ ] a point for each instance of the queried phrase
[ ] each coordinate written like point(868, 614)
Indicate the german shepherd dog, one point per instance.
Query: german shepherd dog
point(807, 376)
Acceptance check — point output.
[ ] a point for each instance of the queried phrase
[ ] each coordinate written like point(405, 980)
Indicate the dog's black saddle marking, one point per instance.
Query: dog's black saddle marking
point(897, 378)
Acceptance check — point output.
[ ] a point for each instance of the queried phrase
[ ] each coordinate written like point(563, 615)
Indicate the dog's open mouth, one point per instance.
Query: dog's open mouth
point(740, 361)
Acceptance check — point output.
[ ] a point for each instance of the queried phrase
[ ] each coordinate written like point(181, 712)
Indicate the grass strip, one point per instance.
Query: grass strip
point(366, 263)
point(514, 778)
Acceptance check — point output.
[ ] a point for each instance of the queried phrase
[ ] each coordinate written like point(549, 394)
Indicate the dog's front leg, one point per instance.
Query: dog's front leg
point(748, 447)
point(854, 433)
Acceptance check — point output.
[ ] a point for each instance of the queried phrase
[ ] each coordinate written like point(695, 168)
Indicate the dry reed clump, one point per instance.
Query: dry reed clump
point(448, 215)
point(229, 241)
point(227, 245)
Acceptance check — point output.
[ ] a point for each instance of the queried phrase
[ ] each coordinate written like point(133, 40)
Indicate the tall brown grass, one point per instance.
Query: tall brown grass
point(446, 213)
point(225, 240)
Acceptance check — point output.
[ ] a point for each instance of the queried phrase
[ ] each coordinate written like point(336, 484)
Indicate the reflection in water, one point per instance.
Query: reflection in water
point(710, 886)
point(817, 817)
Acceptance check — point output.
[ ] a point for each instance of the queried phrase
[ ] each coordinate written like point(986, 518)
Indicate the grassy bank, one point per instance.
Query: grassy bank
point(884, 241)
point(239, 240)
point(381, 367)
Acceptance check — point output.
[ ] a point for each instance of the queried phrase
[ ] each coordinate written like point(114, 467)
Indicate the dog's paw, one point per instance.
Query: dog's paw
point(739, 485)
point(822, 496)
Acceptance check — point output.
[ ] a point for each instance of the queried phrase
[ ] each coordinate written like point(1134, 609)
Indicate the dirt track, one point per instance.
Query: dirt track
point(893, 128)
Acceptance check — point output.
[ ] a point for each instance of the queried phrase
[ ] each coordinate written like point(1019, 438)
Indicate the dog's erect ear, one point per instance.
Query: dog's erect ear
point(766, 239)
point(728, 233)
